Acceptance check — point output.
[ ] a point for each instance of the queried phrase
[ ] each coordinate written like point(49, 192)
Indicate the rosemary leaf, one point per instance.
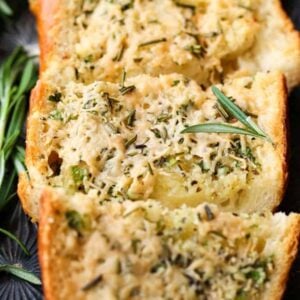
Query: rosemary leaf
point(5, 9)
point(17, 77)
point(14, 238)
point(220, 128)
point(20, 273)
point(236, 112)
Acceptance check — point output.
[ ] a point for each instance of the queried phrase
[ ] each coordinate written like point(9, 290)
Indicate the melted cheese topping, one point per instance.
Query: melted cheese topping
point(125, 142)
point(199, 39)
point(141, 250)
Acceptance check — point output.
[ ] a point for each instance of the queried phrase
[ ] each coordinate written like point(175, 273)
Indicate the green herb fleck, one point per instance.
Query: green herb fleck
point(152, 42)
point(55, 97)
point(125, 89)
point(75, 220)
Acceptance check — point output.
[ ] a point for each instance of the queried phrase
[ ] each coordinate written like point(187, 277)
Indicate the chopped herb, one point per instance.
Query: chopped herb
point(152, 42)
point(78, 175)
point(111, 102)
point(175, 82)
point(91, 103)
point(131, 141)
point(125, 89)
point(134, 244)
point(164, 134)
point(56, 97)
point(164, 117)
point(56, 115)
point(150, 169)
point(127, 6)
point(209, 214)
point(156, 132)
point(120, 53)
point(197, 50)
point(75, 220)
point(88, 59)
point(130, 118)
point(92, 283)
point(226, 117)
point(181, 3)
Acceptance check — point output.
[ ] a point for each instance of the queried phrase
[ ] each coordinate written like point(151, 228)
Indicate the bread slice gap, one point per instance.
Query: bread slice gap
point(204, 40)
point(143, 250)
point(125, 141)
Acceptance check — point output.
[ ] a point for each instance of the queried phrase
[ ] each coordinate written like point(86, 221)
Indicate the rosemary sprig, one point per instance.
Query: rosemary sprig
point(252, 129)
point(5, 9)
point(236, 112)
point(21, 273)
point(14, 238)
point(17, 77)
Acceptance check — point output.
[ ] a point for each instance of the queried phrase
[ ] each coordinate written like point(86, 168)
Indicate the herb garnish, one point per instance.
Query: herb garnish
point(78, 175)
point(17, 77)
point(129, 121)
point(92, 283)
point(184, 5)
point(152, 42)
point(252, 129)
point(197, 50)
point(20, 273)
point(14, 238)
point(209, 214)
point(55, 97)
point(127, 5)
point(120, 53)
point(75, 220)
point(125, 89)
point(130, 141)
point(5, 9)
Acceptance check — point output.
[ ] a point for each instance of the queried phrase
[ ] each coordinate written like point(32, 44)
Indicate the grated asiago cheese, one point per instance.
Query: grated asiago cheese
point(129, 146)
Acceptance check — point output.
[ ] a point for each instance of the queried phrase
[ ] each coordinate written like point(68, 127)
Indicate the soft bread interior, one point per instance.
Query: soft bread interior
point(143, 250)
point(96, 140)
point(203, 40)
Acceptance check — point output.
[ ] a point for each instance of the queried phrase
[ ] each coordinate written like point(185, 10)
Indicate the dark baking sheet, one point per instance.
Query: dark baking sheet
point(15, 220)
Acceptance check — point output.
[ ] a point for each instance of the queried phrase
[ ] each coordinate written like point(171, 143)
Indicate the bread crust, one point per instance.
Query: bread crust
point(45, 234)
point(51, 217)
point(289, 252)
point(294, 79)
point(45, 12)
point(33, 151)
point(281, 130)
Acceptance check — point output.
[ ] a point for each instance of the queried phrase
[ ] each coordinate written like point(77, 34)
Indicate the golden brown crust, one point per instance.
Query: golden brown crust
point(281, 131)
point(51, 219)
point(287, 256)
point(45, 236)
point(295, 35)
point(45, 11)
point(33, 150)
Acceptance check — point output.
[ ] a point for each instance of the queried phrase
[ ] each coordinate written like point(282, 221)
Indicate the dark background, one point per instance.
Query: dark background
point(14, 219)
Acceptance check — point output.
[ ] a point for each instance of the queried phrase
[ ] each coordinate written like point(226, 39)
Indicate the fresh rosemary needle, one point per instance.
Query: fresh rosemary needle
point(231, 109)
point(17, 77)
